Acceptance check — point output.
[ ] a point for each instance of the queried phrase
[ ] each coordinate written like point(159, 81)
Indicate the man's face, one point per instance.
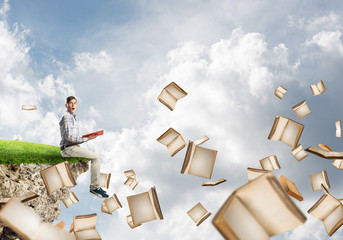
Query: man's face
point(71, 106)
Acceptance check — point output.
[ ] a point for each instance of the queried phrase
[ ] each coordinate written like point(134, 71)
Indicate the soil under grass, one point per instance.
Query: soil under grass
point(17, 152)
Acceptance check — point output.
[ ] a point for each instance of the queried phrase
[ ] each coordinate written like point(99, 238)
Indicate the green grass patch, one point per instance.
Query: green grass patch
point(17, 152)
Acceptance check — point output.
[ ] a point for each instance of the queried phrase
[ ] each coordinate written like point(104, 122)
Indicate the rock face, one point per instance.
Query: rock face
point(17, 180)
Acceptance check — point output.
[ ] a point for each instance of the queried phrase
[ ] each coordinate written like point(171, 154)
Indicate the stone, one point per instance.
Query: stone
point(17, 180)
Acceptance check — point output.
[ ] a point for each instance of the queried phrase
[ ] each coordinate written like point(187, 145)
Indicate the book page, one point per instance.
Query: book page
point(84, 222)
point(292, 133)
point(111, 204)
point(141, 208)
point(155, 203)
point(278, 128)
point(167, 99)
point(197, 212)
point(53, 179)
point(201, 140)
point(301, 109)
point(203, 162)
point(104, 180)
point(22, 219)
point(176, 145)
point(240, 219)
point(317, 179)
point(88, 234)
point(324, 207)
point(188, 157)
point(67, 202)
point(265, 199)
point(167, 137)
point(334, 218)
point(320, 86)
point(338, 163)
point(130, 173)
point(175, 91)
point(65, 174)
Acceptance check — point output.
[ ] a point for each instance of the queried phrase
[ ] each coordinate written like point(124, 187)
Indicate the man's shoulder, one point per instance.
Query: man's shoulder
point(66, 116)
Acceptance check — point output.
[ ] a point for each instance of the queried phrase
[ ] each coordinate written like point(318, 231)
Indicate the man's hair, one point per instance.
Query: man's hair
point(70, 98)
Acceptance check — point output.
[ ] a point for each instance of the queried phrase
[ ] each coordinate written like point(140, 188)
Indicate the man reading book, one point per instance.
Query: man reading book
point(70, 145)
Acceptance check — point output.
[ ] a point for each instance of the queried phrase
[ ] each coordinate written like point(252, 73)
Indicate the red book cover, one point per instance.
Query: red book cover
point(98, 133)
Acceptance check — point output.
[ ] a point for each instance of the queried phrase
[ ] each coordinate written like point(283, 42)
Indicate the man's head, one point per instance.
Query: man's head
point(71, 104)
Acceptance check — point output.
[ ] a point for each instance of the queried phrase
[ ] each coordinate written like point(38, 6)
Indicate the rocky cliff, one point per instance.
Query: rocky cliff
point(17, 180)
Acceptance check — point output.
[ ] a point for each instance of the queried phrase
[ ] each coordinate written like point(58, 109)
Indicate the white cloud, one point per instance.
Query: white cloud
point(328, 22)
point(329, 42)
point(100, 62)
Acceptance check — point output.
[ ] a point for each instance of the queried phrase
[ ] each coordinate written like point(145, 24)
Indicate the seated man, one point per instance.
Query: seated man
point(70, 147)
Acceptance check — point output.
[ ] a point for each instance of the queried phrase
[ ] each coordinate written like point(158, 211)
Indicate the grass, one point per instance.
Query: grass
point(17, 152)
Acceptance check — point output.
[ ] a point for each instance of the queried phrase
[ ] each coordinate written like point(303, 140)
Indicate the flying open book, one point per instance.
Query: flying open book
point(57, 176)
point(199, 161)
point(25, 222)
point(83, 227)
point(299, 153)
point(324, 154)
point(131, 179)
point(198, 213)
point(318, 179)
point(70, 200)
point(28, 107)
point(286, 130)
point(280, 91)
point(318, 88)
point(105, 180)
point(97, 133)
point(214, 183)
point(301, 109)
point(173, 140)
point(144, 207)
point(170, 94)
point(329, 210)
point(338, 129)
point(110, 204)
point(258, 210)
point(270, 163)
point(130, 222)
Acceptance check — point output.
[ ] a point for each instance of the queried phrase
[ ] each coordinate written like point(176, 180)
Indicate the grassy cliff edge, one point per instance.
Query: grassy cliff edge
point(17, 152)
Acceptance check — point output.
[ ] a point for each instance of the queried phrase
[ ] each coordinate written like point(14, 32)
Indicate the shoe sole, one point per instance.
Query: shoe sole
point(98, 195)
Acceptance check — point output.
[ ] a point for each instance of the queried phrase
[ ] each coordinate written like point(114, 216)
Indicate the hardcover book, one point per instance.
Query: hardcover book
point(199, 161)
point(301, 109)
point(144, 207)
point(110, 204)
point(258, 210)
point(318, 88)
point(270, 163)
point(170, 94)
point(83, 227)
point(25, 222)
point(286, 130)
point(198, 213)
point(329, 210)
point(280, 91)
point(173, 140)
point(57, 177)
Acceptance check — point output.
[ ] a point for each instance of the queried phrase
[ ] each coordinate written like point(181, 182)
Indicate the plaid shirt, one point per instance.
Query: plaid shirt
point(69, 129)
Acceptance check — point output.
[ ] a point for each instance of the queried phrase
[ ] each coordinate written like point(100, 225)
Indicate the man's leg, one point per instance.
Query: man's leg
point(76, 151)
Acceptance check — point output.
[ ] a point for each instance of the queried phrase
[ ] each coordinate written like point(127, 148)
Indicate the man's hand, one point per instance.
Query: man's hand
point(91, 137)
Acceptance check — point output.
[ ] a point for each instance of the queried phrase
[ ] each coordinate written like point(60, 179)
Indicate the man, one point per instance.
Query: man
point(70, 140)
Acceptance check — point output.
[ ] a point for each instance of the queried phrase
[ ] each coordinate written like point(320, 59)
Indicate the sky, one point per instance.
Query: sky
point(229, 56)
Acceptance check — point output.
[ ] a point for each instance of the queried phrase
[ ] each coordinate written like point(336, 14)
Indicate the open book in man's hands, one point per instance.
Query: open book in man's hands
point(98, 133)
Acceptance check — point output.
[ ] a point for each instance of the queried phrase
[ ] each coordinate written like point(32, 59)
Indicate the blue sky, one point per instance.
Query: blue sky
point(229, 56)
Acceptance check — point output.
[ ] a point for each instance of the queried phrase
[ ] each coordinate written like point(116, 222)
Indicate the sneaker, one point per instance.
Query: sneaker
point(99, 193)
